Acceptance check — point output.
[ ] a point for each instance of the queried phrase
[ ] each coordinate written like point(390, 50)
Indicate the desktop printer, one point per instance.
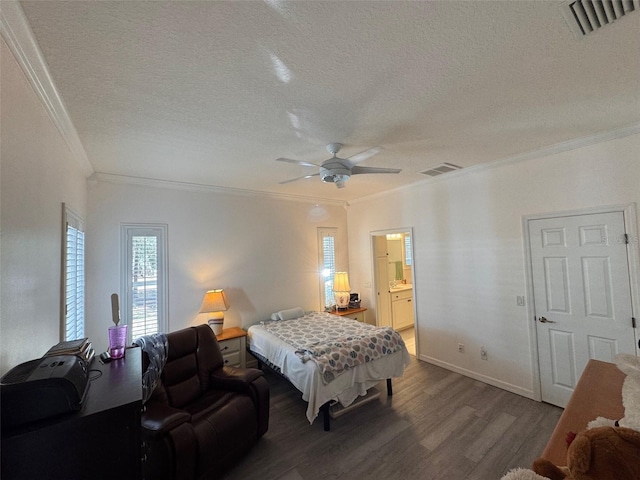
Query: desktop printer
point(43, 388)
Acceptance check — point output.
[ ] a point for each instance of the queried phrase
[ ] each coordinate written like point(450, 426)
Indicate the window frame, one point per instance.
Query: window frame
point(127, 231)
point(324, 284)
point(73, 220)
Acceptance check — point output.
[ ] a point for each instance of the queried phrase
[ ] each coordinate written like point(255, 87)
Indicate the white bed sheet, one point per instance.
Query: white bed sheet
point(306, 377)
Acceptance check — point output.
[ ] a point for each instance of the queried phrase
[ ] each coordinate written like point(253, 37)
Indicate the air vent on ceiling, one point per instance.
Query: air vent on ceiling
point(587, 16)
point(440, 169)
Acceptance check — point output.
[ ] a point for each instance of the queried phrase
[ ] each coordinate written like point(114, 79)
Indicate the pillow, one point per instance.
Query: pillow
point(289, 314)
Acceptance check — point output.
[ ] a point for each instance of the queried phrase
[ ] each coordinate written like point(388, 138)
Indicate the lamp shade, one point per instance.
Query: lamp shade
point(214, 301)
point(341, 290)
point(341, 282)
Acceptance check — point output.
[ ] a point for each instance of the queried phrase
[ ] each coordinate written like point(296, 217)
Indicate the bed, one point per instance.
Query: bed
point(327, 357)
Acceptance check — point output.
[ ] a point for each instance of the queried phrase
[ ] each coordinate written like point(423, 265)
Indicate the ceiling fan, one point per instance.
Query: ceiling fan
point(338, 170)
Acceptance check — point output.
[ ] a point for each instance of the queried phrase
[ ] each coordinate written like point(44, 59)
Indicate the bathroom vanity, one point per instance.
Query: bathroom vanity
point(401, 306)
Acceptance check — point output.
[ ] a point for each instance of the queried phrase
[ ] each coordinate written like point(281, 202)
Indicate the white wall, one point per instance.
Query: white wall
point(263, 251)
point(469, 255)
point(37, 175)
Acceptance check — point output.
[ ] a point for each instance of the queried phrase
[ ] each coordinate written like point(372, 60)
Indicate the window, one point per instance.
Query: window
point(407, 250)
point(73, 270)
point(144, 279)
point(327, 264)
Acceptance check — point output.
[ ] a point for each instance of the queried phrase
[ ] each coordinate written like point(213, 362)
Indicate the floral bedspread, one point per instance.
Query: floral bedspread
point(336, 344)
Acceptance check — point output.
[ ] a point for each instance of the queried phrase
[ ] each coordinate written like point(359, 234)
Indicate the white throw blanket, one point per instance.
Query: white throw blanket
point(522, 474)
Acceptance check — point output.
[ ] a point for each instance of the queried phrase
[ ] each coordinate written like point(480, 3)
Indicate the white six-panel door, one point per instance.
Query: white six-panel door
point(582, 296)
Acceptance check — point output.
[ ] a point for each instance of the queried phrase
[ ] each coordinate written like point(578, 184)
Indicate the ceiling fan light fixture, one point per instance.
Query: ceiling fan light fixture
point(338, 170)
point(332, 177)
point(335, 172)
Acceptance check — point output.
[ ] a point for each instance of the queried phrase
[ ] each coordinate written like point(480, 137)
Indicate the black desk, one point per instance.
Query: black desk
point(101, 441)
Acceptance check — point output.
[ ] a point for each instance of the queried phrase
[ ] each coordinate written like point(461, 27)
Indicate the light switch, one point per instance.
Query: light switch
point(520, 300)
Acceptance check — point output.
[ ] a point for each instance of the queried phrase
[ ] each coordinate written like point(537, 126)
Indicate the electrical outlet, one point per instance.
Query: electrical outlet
point(520, 300)
point(483, 353)
point(461, 347)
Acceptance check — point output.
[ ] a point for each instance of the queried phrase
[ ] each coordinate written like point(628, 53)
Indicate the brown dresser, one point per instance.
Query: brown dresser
point(101, 441)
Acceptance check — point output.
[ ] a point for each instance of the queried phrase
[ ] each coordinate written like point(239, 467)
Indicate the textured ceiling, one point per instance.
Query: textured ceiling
point(213, 92)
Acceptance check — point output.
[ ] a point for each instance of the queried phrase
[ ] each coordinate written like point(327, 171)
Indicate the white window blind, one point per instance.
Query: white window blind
point(73, 267)
point(327, 264)
point(407, 251)
point(144, 279)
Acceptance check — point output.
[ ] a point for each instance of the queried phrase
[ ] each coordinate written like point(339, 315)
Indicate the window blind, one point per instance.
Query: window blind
point(144, 285)
point(327, 264)
point(144, 279)
point(407, 250)
point(74, 282)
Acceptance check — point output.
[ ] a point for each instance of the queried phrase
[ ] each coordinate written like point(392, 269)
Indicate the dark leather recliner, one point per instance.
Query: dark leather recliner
point(202, 417)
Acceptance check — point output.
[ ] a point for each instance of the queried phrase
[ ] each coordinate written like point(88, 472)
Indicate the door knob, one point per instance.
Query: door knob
point(544, 320)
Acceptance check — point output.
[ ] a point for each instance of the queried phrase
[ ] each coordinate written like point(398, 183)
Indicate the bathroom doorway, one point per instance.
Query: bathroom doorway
point(393, 283)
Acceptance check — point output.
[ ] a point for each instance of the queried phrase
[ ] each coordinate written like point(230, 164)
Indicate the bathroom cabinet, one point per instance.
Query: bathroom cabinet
point(402, 308)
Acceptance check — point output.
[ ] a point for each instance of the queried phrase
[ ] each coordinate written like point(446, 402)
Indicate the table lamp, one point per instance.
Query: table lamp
point(341, 290)
point(214, 303)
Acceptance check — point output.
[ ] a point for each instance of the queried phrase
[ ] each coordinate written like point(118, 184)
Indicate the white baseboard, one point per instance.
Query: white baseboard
point(482, 378)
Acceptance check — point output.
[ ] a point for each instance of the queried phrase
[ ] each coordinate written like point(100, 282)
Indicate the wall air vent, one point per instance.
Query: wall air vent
point(440, 169)
point(587, 16)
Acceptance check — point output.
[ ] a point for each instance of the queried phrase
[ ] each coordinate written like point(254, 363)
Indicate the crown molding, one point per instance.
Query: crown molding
point(16, 31)
point(197, 187)
point(567, 146)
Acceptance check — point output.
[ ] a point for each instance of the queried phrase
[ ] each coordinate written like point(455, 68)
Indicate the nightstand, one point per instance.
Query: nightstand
point(354, 313)
point(233, 345)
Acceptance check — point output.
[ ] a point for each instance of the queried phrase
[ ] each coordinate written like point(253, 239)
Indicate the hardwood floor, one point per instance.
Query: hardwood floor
point(438, 425)
point(409, 337)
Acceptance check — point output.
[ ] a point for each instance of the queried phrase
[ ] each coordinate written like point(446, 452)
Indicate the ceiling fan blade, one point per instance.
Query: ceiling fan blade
point(362, 156)
point(297, 162)
point(356, 170)
point(299, 178)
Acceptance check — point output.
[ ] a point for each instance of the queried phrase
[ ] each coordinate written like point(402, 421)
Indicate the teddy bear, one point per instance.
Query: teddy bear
point(601, 453)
